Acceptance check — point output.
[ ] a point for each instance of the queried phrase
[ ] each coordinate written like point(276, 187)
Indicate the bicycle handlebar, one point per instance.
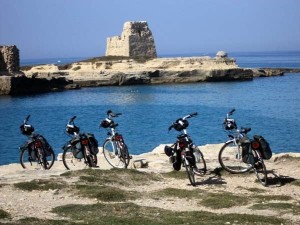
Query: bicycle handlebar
point(230, 112)
point(190, 115)
point(26, 119)
point(72, 120)
point(110, 113)
point(184, 118)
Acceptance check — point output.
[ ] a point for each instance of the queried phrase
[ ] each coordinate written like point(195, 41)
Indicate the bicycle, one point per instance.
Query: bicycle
point(115, 150)
point(81, 151)
point(36, 153)
point(184, 152)
point(241, 154)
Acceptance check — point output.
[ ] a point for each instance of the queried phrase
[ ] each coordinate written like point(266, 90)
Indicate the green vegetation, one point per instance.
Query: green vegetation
point(42, 185)
point(264, 198)
point(76, 68)
point(36, 221)
point(106, 193)
point(223, 200)
point(279, 206)
point(129, 213)
point(255, 190)
point(4, 214)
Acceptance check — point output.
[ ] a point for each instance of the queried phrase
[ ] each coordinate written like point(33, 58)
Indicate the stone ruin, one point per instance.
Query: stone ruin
point(9, 59)
point(136, 40)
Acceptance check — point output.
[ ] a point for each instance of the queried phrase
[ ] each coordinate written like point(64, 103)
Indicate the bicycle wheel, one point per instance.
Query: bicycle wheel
point(230, 158)
point(261, 172)
point(125, 154)
point(48, 159)
point(189, 171)
point(200, 161)
point(29, 160)
point(113, 154)
point(72, 163)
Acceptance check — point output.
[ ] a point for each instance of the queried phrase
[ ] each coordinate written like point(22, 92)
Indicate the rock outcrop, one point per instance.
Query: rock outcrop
point(136, 40)
point(154, 71)
point(14, 85)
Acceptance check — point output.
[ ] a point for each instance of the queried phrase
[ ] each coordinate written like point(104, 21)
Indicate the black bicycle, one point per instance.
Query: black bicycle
point(81, 151)
point(241, 154)
point(36, 153)
point(184, 152)
point(115, 150)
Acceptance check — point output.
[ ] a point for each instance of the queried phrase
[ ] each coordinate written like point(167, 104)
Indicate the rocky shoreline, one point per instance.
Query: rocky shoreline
point(116, 72)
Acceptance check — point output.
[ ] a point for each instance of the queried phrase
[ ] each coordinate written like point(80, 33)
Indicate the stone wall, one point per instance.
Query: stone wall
point(9, 59)
point(136, 40)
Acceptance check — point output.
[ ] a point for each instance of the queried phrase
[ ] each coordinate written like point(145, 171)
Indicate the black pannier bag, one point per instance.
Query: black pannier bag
point(93, 143)
point(264, 147)
point(169, 151)
point(46, 146)
point(247, 155)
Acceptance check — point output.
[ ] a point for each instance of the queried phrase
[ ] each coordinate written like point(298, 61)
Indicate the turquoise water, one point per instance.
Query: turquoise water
point(270, 106)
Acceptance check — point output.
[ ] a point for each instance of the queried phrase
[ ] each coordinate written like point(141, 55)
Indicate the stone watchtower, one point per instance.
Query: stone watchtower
point(136, 40)
point(9, 59)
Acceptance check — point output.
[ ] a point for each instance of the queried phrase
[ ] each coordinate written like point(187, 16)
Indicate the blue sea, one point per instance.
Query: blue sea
point(270, 106)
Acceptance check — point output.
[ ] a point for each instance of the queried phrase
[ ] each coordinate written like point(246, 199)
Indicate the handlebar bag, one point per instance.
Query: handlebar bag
point(264, 147)
point(247, 155)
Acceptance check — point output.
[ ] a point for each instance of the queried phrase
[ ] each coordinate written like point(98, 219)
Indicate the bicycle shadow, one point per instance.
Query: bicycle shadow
point(213, 179)
point(278, 180)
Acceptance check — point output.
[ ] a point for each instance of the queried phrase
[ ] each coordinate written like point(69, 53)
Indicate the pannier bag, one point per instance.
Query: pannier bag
point(93, 143)
point(46, 146)
point(247, 155)
point(264, 147)
point(169, 151)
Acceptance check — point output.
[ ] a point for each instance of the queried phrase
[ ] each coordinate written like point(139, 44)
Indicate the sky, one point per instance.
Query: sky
point(79, 28)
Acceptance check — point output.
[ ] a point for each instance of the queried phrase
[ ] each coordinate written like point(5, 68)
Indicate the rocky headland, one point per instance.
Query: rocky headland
point(102, 72)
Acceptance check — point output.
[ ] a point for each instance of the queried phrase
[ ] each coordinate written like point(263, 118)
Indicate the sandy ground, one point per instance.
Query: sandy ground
point(22, 203)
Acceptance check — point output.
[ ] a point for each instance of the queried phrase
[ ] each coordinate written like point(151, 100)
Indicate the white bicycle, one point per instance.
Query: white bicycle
point(115, 150)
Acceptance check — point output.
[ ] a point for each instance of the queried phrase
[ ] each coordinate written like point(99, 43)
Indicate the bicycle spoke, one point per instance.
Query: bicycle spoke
point(112, 155)
point(29, 160)
point(230, 158)
point(71, 162)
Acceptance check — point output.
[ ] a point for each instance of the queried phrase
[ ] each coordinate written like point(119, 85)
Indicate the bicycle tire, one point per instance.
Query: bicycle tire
point(125, 155)
point(29, 160)
point(48, 160)
point(230, 159)
point(200, 161)
point(113, 155)
point(261, 172)
point(71, 162)
point(189, 171)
